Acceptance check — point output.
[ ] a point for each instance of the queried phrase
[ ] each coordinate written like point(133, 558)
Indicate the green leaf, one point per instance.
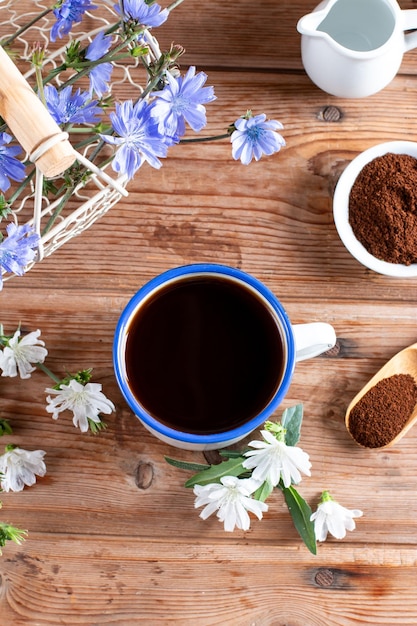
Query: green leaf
point(5, 428)
point(300, 512)
point(264, 491)
point(232, 467)
point(291, 420)
point(185, 465)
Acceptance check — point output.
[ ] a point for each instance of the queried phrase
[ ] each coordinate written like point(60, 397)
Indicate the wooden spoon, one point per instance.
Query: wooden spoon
point(404, 362)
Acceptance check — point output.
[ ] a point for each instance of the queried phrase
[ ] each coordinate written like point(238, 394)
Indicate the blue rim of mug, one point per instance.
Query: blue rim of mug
point(120, 342)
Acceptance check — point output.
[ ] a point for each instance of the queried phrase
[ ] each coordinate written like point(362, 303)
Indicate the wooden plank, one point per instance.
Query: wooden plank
point(228, 583)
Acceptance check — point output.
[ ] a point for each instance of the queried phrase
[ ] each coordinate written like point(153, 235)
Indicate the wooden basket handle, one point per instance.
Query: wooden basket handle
point(30, 122)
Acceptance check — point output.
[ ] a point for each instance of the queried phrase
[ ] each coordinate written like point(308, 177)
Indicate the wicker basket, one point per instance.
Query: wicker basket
point(56, 217)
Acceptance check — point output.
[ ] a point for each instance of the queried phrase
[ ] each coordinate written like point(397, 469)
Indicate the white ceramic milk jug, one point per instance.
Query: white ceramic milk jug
point(354, 48)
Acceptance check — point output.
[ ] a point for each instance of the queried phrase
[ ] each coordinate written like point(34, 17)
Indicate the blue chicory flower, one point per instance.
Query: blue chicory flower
point(139, 139)
point(68, 108)
point(181, 101)
point(139, 11)
point(100, 74)
point(17, 249)
point(254, 137)
point(68, 12)
point(10, 167)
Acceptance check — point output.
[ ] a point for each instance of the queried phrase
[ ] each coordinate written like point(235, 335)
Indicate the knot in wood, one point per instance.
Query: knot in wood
point(324, 577)
point(144, 475)
point(330, 114)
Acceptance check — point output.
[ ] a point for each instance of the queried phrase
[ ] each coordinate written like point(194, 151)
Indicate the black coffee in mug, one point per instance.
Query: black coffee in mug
point(204, 354)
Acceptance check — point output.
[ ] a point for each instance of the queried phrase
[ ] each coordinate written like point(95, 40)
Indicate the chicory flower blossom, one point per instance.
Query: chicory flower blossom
point(68, 108)
point(232, 500)
point(100, 74)
point(139, 139)
point(181, 101)
point(10, 167)
point(272, 460)
point(254, 136)
point(140, 12)
point(17, 249)
point(20, 467)
point(85, 401)
point(68, 12)
point(331, 517)
point(20, 353)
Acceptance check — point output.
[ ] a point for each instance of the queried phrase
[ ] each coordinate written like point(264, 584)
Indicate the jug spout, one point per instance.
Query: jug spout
point(309, 24)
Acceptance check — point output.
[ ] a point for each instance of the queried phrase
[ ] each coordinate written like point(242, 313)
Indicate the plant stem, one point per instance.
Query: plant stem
point(25, 27)
point(47, 371)
point(87, 66)
point(39, 83)
point(22, 187)
point(58, 209)
point(201, 139)
point(174, 4)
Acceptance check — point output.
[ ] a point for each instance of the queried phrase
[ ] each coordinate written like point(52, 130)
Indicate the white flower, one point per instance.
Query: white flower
point(85, 401)
point(19, 354)
point(333, 518)
point(20, 467)
point(273, 459)
point(232, 501)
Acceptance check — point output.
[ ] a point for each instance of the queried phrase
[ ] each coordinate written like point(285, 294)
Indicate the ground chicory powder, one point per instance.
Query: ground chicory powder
point(382, 412)
point(383, 208)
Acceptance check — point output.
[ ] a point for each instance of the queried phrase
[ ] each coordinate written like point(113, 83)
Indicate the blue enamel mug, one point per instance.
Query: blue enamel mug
point(204, 354)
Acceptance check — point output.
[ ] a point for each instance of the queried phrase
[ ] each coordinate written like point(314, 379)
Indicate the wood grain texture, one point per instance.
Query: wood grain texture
point(113, 535)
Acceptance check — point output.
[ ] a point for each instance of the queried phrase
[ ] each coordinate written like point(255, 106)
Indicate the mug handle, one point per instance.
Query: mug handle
point(409, 23)
point(312, 339)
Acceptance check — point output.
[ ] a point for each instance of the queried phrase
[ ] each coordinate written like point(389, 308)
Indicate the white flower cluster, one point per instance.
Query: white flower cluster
point(331, 517)
point(271, 462)
point(85, 401)
point(21, 355)
point(232, 500)
point(20, 467)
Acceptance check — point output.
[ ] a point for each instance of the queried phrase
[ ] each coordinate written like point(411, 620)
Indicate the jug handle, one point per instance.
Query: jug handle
point(410, 23)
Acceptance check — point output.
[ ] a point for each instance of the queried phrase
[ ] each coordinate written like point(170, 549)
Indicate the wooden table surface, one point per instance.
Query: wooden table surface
point(113, 535)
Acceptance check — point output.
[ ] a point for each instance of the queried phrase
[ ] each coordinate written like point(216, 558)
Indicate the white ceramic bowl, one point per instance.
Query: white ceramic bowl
point(341, 209)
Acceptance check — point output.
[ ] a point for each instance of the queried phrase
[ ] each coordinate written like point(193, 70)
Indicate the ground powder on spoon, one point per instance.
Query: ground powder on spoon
point(383, 208)
point(381, 413)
